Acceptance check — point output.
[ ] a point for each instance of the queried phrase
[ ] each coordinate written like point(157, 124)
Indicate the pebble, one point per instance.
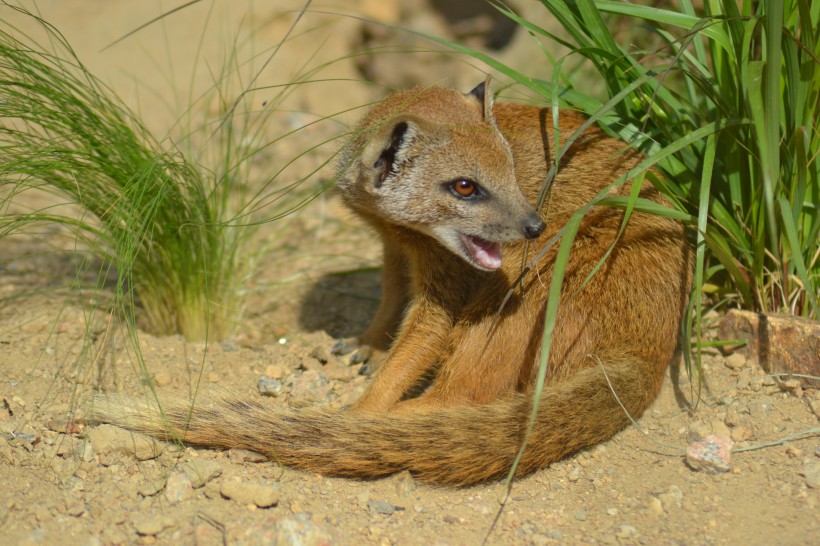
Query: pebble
point(713, 454)
point(245, 456)
point(262, 496)
point(75, 509)
point(153, 525)
point(672, 498)
point(200, 471)
point(811, 471)
point(108, 442)
point(655, 506)
point(177, 487)
point(300, 531)
point(162, 379)
point(275, 371)
point(581, 515)
point(735, 361)
point(151, 488)
point(760, 408)
point(268, 386)
point(382, 507)
point(742, 432)
point(626, 531)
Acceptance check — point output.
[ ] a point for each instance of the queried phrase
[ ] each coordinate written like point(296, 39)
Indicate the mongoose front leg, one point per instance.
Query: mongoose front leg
point(422, 339)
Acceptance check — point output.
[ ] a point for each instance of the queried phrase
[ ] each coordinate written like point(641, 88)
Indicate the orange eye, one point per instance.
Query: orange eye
point(464, 187)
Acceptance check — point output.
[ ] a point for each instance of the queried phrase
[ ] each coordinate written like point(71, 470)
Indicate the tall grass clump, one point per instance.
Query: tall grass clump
point(728, 109)
point(157, 223)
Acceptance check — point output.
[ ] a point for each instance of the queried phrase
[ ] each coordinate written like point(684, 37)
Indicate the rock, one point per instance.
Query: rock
point(275, 371)
point(382, 507)
point(655, 506)
point(742, 432)
point(673, 498)
point(75, 509)
point(581, 515)
point(201, 471)
point(626, 531)
point(245, 456)
point(268, 386)
point(778, 343)
point(811, 471)
point(177, 487)
point(153, 525)
point(735, 361)
point(162, 379)
point(262, 496)
point(296, 530)
point(760, 408)
point(110, 442)
point(713, 454)
point(151, 488)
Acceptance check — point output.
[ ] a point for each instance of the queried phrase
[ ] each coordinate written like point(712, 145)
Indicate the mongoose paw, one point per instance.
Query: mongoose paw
point(352, 349)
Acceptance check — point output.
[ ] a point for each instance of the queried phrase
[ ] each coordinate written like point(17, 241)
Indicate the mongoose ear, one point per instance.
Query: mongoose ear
point(392, 152)
point(482, 93)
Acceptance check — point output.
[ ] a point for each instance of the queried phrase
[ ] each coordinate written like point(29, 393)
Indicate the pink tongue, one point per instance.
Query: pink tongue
point(485, 253)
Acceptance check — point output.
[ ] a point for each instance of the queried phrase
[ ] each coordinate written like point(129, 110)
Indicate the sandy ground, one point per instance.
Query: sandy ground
point(68, 483)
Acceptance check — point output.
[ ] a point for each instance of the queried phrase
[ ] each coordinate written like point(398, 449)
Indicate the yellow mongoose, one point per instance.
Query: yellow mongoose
point(448, 180)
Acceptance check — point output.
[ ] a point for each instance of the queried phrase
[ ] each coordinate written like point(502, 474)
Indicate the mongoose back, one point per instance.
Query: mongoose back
point(449, 181)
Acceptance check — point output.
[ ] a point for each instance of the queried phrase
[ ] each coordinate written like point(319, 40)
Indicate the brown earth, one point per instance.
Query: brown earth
point(68, 483)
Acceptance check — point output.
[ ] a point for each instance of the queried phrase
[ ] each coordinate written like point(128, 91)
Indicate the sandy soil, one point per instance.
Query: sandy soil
point(68, 483)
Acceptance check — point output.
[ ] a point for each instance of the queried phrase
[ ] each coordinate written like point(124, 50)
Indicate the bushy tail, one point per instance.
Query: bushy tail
point(456, 446)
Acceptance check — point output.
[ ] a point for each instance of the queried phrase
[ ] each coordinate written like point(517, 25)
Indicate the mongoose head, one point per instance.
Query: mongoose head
point(433, 160)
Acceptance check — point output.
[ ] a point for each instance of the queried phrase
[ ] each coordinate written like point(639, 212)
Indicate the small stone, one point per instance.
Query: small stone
point(673, 498)
point(712, 455)
point(201, 471)
point(245, 456)
point(742, 432)
point(815, 407)
point(162, 379)
point(760, 408)
point(248, 493)
point(177, 487)
point(109, 441)
point(275, 371)
point(581, 515)
point(298, 530)
point(75, 509)
point(151, 488)
point(793, 452)
point(268, 386)
point(574, 475)
point(655, 506)
point(612, 511)
point(213, 377)
point(228, 346)
point(404, 482)
point(811, 471)
point(382, 507)
point(153, 525)
point(735, 361)
point(626, 531)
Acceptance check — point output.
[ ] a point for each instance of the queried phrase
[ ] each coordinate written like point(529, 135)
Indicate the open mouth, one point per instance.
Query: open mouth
point(484, 254)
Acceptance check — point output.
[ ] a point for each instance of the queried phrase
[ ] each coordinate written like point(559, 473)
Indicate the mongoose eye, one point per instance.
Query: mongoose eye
point(464, 187)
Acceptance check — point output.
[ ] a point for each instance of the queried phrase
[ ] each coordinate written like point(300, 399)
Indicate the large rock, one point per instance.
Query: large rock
point(778, 343)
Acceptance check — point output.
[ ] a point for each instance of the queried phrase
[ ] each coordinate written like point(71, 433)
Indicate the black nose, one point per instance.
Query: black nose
point(534, 226)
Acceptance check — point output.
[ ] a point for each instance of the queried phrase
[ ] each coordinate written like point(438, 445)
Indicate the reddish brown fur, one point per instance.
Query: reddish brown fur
point(614, 334)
